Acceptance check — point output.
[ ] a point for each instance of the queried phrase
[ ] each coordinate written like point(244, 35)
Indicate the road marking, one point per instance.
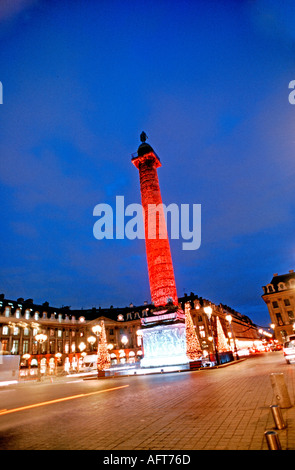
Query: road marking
point(58, 400)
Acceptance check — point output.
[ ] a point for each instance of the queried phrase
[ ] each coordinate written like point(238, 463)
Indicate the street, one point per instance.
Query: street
point(224, 408)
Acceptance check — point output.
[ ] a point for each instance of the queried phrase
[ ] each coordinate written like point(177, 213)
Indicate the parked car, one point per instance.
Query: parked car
point(277, 347)
point(289, 351)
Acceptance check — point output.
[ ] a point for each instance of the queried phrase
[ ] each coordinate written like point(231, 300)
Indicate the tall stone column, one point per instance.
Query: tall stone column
point(160, 267)
point(163, 330)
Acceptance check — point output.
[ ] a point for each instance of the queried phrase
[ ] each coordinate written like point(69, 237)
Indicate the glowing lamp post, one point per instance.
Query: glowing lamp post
point(91, 340)
point(229, 319)
point(40, 338)
point(58, 356)
point(27, 356)
point(82, 346)
point(208, 310)
point(96, 329)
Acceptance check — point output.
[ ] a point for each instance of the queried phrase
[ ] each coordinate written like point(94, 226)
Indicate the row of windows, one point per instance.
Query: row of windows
point(37, 316)
point(25, 345)
point(26, 331)
point(286, 302)
point(281, 286)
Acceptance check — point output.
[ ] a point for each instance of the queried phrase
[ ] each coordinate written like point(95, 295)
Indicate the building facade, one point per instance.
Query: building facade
point(68, 334)
point(279, 296)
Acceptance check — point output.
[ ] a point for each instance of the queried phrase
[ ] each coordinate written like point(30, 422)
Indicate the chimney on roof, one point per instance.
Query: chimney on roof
point(291, 271)
point(275, 274)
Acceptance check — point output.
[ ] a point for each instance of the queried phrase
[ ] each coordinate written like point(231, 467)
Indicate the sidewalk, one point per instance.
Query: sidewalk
point(223, 408)
point(286, 436)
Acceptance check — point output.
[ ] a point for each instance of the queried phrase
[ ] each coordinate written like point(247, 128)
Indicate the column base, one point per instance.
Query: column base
point(164, 345)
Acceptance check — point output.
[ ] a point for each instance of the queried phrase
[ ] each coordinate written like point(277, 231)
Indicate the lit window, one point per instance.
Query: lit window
point(25, 346)
point(15, 345)
point(202, 331)
point(5, 330)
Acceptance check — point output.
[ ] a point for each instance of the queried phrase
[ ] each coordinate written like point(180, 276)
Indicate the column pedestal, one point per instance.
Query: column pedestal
point(164, 340)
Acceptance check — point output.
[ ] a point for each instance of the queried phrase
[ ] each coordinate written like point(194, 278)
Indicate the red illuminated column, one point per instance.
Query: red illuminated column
point(160, 267)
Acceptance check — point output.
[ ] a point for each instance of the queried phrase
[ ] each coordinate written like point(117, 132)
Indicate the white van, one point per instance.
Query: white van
point(289, 349)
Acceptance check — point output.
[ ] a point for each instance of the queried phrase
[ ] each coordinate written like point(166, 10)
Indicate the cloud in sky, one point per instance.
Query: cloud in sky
point(208, 82)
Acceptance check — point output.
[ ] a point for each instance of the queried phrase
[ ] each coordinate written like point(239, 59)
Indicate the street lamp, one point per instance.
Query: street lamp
point(58, 356)
point(91, 340)
point(82, 346)
point(96, 329)
point(208, 310)
point(229, 319)
point(40, 338)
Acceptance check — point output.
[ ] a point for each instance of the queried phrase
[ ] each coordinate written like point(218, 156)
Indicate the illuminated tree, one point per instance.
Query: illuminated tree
point(222, 344)
point(193, 348)
point(103, 359)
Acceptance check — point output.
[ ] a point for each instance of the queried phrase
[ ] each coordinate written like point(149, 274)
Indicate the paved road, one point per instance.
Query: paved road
point(225, 408)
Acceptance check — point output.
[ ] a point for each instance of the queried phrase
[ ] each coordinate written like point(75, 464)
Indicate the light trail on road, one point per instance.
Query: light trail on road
point(58, 400)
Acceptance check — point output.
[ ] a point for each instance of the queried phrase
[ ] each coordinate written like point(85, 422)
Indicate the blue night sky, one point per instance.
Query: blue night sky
point(208, 82)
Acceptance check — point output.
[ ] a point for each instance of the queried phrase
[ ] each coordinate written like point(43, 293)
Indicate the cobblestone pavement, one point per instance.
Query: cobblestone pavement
point(227, 408)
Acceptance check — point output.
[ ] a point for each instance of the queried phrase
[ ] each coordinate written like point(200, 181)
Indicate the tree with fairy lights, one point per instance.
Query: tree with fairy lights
point(103, 359)
point(222, 343)
point(193, 348)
